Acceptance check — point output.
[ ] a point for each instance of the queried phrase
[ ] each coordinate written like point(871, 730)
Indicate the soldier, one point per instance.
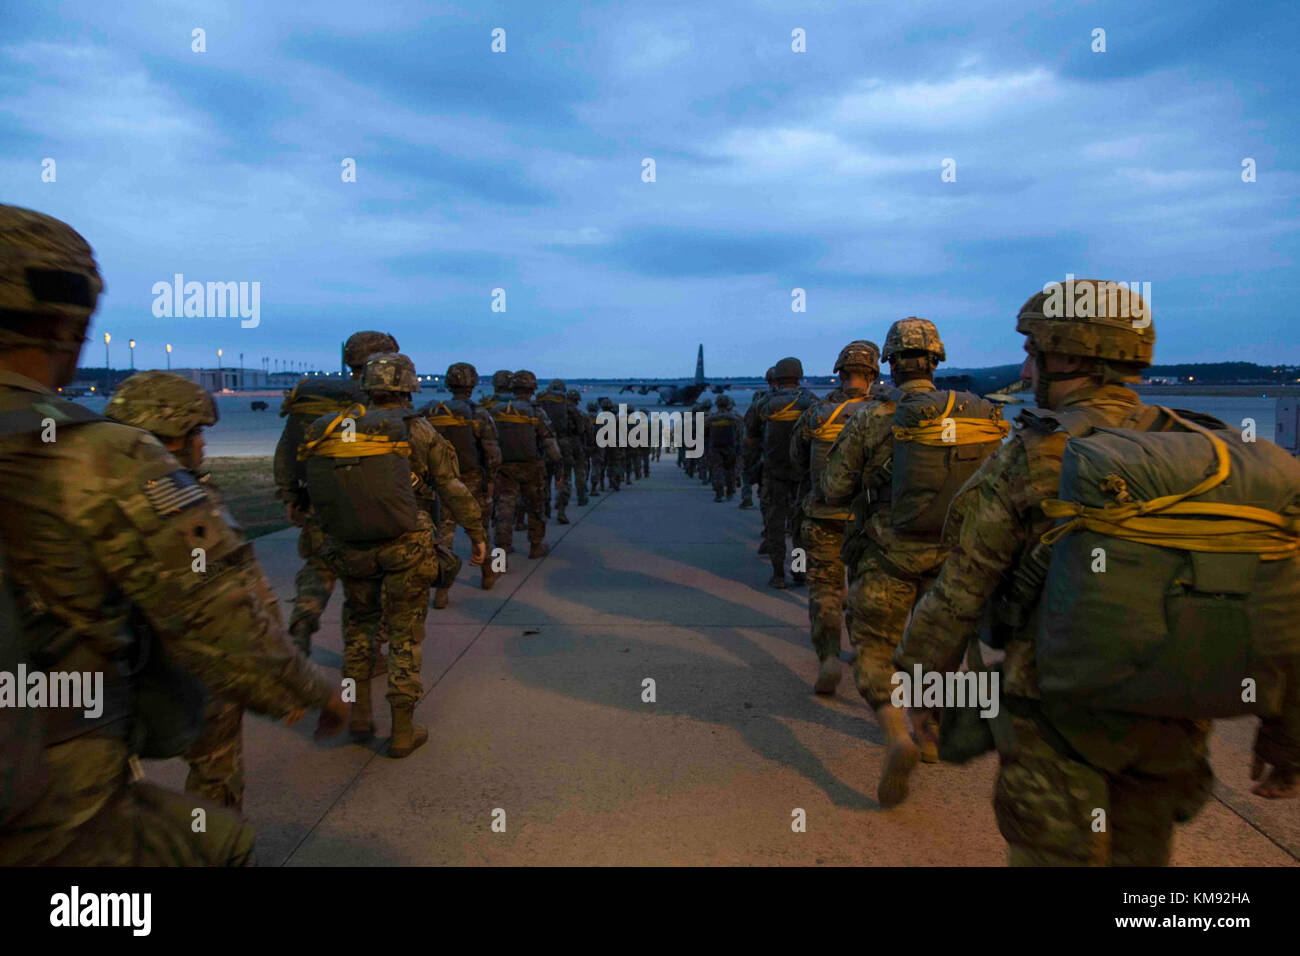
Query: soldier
point(889, 569)
point(500, 389)
point(581, 445)
point(362, 477)
point(643, 454)
point(567, 427)
point(524, 436)
point(1059, 764)
point(752, 464)
point(769, 431)
point(175, 411)
point(614, 452)
point(101, 526)
point(595, 454)
point(471, 431)
point(702, 465)
point(311, 398)
point(723, 434)
point(822, 528)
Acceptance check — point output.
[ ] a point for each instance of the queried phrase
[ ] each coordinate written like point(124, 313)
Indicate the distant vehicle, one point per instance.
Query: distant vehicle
point(678, 393)
point(260, 406)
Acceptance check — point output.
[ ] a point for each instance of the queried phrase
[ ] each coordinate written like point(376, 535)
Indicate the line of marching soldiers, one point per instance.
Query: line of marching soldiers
point(1134, 565)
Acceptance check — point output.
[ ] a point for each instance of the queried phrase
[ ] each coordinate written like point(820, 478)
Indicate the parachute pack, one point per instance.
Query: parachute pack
point(1173, 588)
point(787, 405)
point(359, 474)
point(516, 432)
point(940, 439)
point(455, 422)
point(309, 400)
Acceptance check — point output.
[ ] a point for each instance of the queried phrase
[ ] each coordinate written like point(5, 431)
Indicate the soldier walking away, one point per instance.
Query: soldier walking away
point(471, 431)
point(900, 490)
point(582, 443)
point(752, 462)
point(311, 398)
point(524, 435)
point(822, 530)
point(100, 525)
point(723, 434)
point(614, 452)
point(595, 454)
point(567, 429)
point(1139, 757)
point(769, 433)
point(363, 466)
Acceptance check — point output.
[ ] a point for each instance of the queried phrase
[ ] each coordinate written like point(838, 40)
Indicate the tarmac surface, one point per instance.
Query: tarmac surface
point(534, 702)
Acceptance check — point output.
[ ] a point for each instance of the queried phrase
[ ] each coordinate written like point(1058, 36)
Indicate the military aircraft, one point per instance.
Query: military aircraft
point(677, 393)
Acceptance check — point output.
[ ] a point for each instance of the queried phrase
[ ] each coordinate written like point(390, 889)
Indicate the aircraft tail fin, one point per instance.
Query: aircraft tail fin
point(699, 364)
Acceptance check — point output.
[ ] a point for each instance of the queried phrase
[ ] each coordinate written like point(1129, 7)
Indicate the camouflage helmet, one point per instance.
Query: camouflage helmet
point(592, 406)
point(912, 334)
point(461, 375)
point(523, 381)
point(788, 367)
point(573, 396)
point(361, 345)
point(390, 372)
point(47, 270)
point(860, 356)
point(725, 402)
point(770, 376)
point(557, 385)
point(1117, 324)
point(606, 403)
point(167, 404)
point(501, 379)
point(706, 403)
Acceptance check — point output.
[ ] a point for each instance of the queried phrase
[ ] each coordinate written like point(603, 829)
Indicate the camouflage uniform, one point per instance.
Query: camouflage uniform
point(580, 447)
point(567, 429)
point(470, 429)
point(524, 434)
point(595, 454)
point(614, 453)
point(780, 477)
point(314, 582)
point(724, 432)
point(824, 524)
point(1058, 764)
point(100, 525)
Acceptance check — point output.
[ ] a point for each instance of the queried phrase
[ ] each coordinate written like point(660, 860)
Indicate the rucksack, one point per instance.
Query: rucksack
point(940, 439)
point(359, 478)
point(724, 431)
point(786, 406)
point(1198, 533)
point(310, 399)
point(455, 422)
point(516, 431)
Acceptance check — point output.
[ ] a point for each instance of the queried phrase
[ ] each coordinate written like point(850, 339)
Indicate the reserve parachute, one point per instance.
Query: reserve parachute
point(1198, 533)
point(310, 399)
point(940, 439)
point(359, 474)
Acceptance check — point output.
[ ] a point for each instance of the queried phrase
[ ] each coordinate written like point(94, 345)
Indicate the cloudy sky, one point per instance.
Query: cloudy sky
point(775, 170)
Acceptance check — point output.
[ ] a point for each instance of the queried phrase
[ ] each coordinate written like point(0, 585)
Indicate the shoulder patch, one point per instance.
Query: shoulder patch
point(173, 493)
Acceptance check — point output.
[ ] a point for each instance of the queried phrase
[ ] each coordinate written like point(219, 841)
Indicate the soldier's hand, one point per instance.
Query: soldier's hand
point(479, 555)
point(332, 717)
point(1282, 783)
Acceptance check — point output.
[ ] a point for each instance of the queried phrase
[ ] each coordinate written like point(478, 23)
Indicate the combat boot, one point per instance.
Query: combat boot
point(746, 502)
point(538, 550)
point(594, 494)
point(560, 516)
point(901, 755)
point(762, 546)
point(488, 577)
point(582, 501)
point(798, 578)
point(778, 577)
point(927, 736)
point(717, 496)
point(407, 736)
point(361, 726)
point(828, 678)
point(440, 598)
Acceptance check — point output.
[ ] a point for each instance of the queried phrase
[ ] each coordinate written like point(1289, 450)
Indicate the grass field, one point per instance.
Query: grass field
point(248, 488)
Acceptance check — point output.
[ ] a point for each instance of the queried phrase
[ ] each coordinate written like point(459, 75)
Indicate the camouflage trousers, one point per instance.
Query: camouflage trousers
point(782, 497)
point(521, 481)
point(597, 469)
point(446, 525)
point(880, 602)
point(643, 462)
point(313, 585)
point(580, 465)
point(723, 467)
point(1046, 802)
point(90, 816)
point(386, 597)
point(614, 466)
point(822, 539)
point(564, 469)
point(217, 757)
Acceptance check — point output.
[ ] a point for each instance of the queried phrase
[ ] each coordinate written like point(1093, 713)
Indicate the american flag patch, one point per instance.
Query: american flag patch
point(173, 493)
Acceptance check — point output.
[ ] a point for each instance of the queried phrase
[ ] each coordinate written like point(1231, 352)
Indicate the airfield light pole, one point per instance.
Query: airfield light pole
point(220, 384)
point(107, 338)
point(131, 344)
point(169, 356)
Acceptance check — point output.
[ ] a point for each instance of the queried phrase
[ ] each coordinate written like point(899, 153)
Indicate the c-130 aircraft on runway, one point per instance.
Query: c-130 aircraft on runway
point(681, 393)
